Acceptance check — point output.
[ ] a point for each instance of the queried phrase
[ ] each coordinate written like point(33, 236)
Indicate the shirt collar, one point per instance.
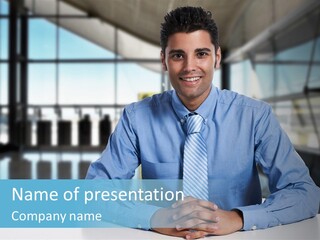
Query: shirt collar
point(204, 109)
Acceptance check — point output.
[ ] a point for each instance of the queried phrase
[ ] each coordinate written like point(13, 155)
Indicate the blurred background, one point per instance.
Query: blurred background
point(68, 67)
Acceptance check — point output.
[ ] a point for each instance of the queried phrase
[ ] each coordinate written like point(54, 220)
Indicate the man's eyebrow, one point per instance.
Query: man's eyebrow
point(203, 50)
point(175, 51)
point(180, 51)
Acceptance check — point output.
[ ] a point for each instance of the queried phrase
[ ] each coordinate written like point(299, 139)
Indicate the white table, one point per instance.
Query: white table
point(304, 230)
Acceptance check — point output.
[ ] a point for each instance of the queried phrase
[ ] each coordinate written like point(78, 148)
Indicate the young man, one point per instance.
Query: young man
point(237, 133)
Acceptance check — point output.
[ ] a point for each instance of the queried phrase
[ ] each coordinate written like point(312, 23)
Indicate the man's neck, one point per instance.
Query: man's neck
point(194, 104)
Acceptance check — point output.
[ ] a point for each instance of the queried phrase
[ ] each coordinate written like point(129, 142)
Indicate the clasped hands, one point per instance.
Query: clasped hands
point(192, 218)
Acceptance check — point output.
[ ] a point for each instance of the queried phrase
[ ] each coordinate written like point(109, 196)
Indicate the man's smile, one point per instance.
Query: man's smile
point(190, 79)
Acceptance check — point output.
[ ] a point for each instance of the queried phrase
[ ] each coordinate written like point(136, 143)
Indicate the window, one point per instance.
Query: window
point(281, 75)
point(133, 80)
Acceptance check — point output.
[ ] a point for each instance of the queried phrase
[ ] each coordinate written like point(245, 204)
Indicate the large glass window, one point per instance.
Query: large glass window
point(42, 39)
point(217, 78)
point(74, 46)
point(3, 84)
point(266, 81)
point(4, 39)
point(314, 79)
point(3, 102)
point(3, 78)
point(134, 80)
point(86, 84)
point(4, 7)
point(300, 119)
point(288, 71)
point(301, 52)
point(42, 84)
point(3, 55)
point(77, 66)
point(288, 78)
point(242, 79)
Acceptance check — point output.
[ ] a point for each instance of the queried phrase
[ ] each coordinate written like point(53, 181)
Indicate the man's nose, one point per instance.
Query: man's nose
point(190, 64)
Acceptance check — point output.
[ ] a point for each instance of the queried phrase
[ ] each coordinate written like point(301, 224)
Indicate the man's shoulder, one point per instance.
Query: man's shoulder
point(153, 102)
point(227, 97)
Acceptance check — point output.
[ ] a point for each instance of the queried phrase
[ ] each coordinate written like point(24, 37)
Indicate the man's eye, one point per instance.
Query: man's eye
point(202, 54)
point(177, 56)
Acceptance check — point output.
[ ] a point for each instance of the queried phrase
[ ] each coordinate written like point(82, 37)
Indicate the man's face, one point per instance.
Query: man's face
point(190, 59)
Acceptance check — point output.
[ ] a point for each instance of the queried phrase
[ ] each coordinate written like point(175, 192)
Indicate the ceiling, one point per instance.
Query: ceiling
point(242, 24)
point(142, 18)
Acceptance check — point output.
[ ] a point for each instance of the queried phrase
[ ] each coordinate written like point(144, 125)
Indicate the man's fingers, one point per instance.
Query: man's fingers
point(195, 235)
point(195, 211)
point(206, 227)
point(186, 233)
point(186, 212)
point(197, 225)
point(191, 202)
point(181, 202)
point(189, 224)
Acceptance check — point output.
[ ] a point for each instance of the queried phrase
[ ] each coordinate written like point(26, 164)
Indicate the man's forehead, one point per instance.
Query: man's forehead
point(192, 41)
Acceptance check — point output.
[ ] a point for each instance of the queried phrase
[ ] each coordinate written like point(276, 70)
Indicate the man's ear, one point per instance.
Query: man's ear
point(163, 61)
point(218, 58)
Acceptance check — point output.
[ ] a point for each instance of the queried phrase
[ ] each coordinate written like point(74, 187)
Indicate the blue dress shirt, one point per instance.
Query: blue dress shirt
point(240, 133)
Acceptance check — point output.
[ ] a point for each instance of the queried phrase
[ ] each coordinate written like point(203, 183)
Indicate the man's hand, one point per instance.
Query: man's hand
point(163, 222)
point(202, 215)
point(193, 218)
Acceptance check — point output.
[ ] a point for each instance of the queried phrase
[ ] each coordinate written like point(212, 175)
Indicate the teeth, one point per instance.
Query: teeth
point(191, 79)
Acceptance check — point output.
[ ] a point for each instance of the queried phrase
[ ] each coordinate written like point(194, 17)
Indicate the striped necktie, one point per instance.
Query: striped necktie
point(195, 162)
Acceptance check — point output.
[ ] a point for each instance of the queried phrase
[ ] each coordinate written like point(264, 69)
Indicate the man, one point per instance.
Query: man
point(239, 133)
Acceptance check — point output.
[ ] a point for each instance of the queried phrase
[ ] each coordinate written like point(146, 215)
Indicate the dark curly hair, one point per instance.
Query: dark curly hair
point(188, 19)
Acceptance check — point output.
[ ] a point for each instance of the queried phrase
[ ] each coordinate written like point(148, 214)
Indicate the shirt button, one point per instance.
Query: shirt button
point(254, 227)
point(139, 226)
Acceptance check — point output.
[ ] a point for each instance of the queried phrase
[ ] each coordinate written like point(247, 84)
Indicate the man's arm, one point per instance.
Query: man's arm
point(294, 196)
point(121, 156)
point(119, 161)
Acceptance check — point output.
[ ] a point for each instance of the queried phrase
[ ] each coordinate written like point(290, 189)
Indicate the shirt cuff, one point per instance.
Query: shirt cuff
point(144, 216)
point(137, 216)
point(256, 217)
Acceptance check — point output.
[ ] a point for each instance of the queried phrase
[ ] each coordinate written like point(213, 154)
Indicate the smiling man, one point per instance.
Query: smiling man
point(212, 139)
point(189, 59)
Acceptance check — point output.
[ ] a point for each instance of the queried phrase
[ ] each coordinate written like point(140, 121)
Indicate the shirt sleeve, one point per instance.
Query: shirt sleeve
point(119, 161)
point(294, 196)
point(121, 157)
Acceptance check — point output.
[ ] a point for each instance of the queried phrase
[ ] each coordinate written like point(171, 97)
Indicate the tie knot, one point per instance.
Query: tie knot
point(194, 123)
